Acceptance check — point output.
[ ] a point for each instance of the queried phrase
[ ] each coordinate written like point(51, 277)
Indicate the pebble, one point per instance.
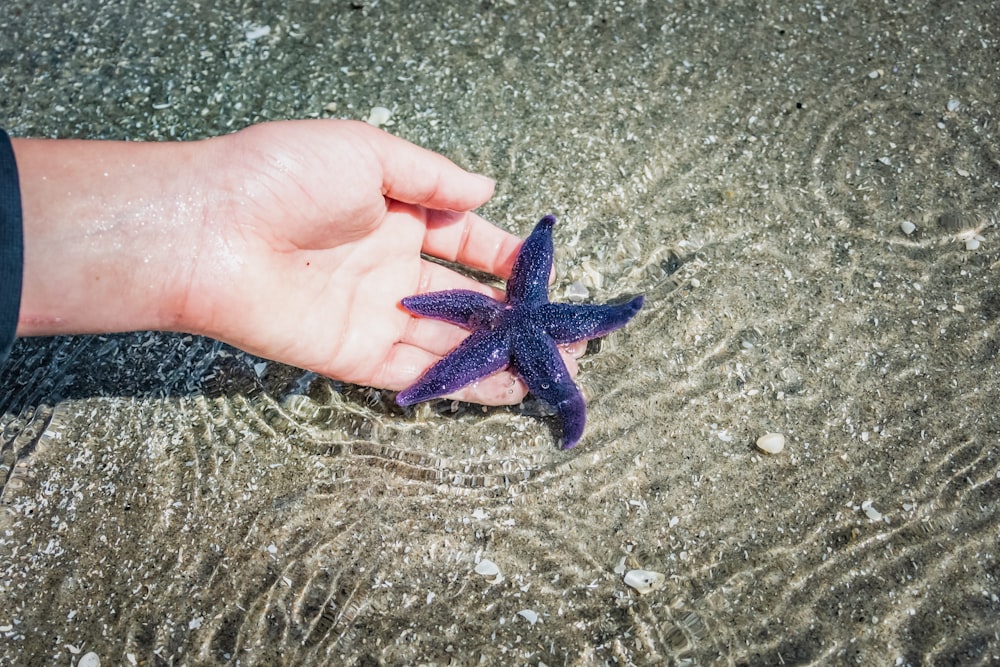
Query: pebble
point(528, 615)
point(772, 443)
point(644, 581)
point(953, 105)
point(89, 660)
point(378, 116)
point(254, 32)
point(870, 511)
point(577, 292)
point(487, 568)
point(907, 227)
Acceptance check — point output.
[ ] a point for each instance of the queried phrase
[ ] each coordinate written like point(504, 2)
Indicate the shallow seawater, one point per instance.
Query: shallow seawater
point(748, 169)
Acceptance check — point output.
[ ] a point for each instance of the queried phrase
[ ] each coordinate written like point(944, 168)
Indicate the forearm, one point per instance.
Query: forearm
point(110, 233)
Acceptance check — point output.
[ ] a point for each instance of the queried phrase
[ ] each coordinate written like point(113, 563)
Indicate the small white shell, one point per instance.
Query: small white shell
point(577, 292)
point(907, 227)
point(644, 581)
point(379, 116)
point(870, 511)
point(487, 568)
point(528, 615)
point(89, 660)
point(772, 443)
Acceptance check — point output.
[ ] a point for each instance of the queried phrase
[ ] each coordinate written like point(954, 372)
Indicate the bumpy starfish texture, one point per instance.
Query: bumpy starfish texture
point(522, 332)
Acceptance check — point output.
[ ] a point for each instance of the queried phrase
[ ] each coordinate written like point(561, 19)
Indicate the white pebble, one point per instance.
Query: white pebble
point(772, 443)
point(972, 244)
point(379, 116)
point(487, 568)
point(907, 227)
point(528, 615)
point(577, 292)
point(953, 105)
point(872, 513)
point(254, 32)
point(644, 581)
point(89, 660)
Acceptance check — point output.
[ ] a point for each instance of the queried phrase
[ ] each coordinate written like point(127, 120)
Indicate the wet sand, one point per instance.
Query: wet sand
point(168, 500)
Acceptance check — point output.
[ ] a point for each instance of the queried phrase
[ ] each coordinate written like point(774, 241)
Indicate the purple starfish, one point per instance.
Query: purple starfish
point(521, 332)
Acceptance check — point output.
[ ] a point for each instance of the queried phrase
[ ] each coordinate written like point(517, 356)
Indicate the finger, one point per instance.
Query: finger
point(505, 387)
point(438, 278)
point(468, 239)
point(434, 336)
point(471, 241)
point(418, 176)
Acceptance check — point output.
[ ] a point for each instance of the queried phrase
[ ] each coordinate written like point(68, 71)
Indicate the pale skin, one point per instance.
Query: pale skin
point(294, 241)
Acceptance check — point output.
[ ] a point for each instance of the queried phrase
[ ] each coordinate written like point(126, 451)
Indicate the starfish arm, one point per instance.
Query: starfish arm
point(536, 359)
point(465, 308)
point(529, 278)
point(483, 353)
point(567, 322)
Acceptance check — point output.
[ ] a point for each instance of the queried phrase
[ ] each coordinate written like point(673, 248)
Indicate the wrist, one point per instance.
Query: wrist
point(110, 234)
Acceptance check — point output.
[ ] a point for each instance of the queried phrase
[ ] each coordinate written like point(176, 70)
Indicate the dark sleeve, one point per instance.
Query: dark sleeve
point(11, 246)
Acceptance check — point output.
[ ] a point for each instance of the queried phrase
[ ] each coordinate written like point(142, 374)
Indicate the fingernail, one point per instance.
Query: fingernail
point(486, 179)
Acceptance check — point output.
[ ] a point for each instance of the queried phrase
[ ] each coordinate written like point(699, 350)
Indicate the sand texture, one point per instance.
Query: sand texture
point(169, 500)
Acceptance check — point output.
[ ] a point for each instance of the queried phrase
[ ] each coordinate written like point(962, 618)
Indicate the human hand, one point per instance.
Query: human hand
point(319, 238)
point(294, 241)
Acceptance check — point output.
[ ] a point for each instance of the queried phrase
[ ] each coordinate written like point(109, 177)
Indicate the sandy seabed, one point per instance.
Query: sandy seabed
point(168, 500)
